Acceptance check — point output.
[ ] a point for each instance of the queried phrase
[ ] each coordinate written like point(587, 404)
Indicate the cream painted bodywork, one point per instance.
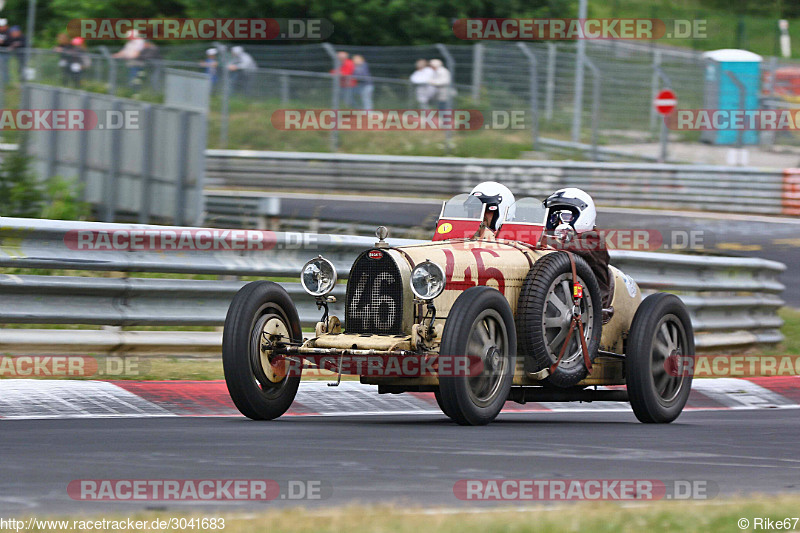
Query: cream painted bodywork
point(504, 266)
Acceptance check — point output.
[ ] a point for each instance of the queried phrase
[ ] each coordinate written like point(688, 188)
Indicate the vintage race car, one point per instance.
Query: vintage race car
point(478, 321)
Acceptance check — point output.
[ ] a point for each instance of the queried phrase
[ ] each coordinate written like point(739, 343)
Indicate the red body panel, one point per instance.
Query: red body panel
point(527, 233)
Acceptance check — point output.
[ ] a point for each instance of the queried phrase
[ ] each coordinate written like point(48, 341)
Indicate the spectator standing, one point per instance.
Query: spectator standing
point(442, 81)
point(363, 77)
point(421, 78)
point(78, 61)
point(3, 31)
point(130, 52)
point(346, 81)
point(242, 69)
point(149, 54)
point(211, 64)
point(64, 49)
point(15, 42)
point(3, 50)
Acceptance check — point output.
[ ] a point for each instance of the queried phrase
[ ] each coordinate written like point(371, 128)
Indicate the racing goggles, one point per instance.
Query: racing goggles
point(560, 217)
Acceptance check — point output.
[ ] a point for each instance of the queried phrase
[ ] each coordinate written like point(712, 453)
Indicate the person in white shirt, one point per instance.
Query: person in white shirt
point(131, 52)
point(422, 79)
point(241, 68)
point(442, 81)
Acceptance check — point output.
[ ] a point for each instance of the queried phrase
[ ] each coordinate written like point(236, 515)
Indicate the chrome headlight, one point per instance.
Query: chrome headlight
point(427, 280)
point(318, 276)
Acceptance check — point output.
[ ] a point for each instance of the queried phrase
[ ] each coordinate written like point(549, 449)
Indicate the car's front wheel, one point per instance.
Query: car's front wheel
point(261, 314)
point(480, 325)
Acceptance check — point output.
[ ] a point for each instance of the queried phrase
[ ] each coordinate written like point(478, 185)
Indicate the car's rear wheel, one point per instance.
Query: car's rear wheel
point(658, 359)
point(261, 314)
point(480, 325)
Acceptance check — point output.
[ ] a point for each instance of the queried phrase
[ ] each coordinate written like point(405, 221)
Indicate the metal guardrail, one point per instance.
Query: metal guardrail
point(698, 187)
point(733, 301)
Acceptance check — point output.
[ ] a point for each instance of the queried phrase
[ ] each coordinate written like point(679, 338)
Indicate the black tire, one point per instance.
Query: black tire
point(543, 312)
point(658, 372)
point(254, 306)
point(438, 395)
point(480, 323)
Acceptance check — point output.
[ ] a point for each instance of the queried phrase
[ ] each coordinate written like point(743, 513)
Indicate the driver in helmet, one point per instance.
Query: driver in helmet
point(571, 218)
point(497, 198)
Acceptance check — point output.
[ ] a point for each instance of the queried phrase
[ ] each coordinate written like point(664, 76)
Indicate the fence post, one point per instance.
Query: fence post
point(200, 164)
point(3, 78)
point(336, 78)
point(580, 58)
point(654, 80)
point(222, 64)
point(742, 97)
point(55, 100)
point(477, 71)
point(551, 81)
point(533, 91)
point(451, 66)
point(83, 151)
point(109, 208)
point(112, 70)
point(595, 105)
point(767, 138)
point(183, 166)
point(284, 88)
point(146, 130)
point(663, 136)
point(29, 33)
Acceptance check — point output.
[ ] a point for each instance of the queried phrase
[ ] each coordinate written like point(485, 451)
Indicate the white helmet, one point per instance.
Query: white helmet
point(497, 197)
point(574, 202)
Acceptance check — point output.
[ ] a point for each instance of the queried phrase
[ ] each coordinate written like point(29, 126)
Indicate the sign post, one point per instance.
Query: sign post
point(665, 103)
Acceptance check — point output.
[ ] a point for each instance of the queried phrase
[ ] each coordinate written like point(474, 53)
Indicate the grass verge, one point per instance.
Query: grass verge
point(707, 517)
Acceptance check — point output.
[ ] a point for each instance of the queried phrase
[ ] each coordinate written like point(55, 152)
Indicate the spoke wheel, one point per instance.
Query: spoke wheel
point(544, 315)
point(260, 317)
point(658, 358)
point(480, 325)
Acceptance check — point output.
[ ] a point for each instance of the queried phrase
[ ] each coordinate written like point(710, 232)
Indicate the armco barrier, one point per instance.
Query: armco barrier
point(733, 301)
point(698, 187)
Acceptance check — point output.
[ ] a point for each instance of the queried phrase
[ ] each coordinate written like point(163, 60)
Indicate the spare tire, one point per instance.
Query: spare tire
point(544, 313)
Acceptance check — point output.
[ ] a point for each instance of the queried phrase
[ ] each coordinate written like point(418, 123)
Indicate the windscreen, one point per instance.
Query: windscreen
point(463, 206)
point(527, 211)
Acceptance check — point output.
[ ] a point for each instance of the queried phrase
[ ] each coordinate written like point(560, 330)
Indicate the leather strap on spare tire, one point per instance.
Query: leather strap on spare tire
point(576, 321)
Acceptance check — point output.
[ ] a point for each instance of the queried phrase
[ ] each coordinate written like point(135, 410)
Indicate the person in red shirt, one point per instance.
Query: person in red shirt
point(346, 81)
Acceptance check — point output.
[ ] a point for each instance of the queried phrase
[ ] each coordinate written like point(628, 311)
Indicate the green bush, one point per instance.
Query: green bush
point(23, 195)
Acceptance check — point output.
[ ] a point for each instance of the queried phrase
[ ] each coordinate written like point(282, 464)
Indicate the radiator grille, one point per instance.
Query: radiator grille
point(374, 295)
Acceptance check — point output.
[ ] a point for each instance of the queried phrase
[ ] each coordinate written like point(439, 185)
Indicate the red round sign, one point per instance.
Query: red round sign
point(665, 101)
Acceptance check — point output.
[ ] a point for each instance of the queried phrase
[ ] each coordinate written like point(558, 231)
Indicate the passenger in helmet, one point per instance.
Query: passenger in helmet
point(497, 198)
point(570, 210)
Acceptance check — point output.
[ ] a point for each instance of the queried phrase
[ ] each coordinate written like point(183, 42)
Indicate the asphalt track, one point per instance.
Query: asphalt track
point(775, 238)
point(412, 460)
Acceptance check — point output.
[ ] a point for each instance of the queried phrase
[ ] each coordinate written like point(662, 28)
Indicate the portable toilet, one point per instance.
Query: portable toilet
point(721, 92)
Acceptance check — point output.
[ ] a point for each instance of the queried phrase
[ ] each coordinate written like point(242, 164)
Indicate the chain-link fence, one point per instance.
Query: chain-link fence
point(612, 107)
